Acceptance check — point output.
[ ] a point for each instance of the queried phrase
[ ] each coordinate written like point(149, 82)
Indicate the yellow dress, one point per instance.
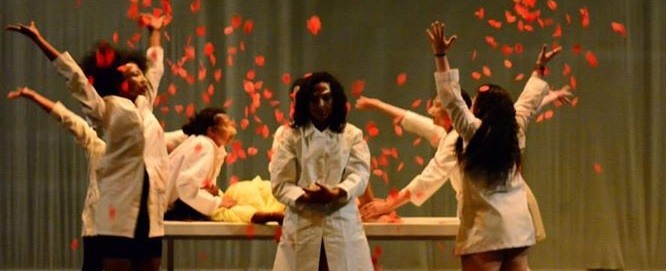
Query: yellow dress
point(251, 196)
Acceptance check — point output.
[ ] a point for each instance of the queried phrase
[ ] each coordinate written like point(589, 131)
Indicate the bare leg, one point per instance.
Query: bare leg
point(483, 261)
point(515, 260)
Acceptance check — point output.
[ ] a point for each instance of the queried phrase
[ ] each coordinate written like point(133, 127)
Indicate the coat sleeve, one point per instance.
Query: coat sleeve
point(448, 90)
point(155, 57)
point(435, 174)
point(83, 133)
point(357, 171)
point(82, 90)
point(284, 171)
point(529, 100)
point(193, 176)
point(423, 126)
point(173, 139)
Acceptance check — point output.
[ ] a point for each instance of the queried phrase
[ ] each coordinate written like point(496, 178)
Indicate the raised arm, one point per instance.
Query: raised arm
point(32, 95)
point(412, 122)
point(155, 54)
point(84, 134)
point(366, 103)
point(562, 95)
point(535, 88)
point(424, 185)
point(33, 33)
point(440, 45)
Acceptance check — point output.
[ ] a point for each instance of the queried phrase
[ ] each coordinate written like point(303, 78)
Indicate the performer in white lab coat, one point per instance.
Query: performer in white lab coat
point(496, 227)
point(320, 167)
point(195, 165)
point(132, 173)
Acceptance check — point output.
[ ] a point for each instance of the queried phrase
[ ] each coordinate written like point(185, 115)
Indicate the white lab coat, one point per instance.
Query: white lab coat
point(135, 145)
point(195, 164)
point(499, 218)
point(341, 160)
point(424, 127)
point(95, 147)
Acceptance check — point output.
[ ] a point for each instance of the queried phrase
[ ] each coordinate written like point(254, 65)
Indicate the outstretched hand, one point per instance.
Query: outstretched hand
point(19, 92)
point(438, 41)
point(364, 103)
point(545, 56)
point(154, 22)
point(29, 31)
point(375, 209)
point(563, 95)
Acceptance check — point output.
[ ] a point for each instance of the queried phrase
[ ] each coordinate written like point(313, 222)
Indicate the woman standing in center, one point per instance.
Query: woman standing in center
point(322, 165)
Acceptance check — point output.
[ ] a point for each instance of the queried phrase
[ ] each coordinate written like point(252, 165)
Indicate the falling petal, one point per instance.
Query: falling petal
point(508, 64)
point(416, 103)
point(249, 231)
point(195, 6)
point(552, 5)
point(572, 82)
point(357, 88)
point(597, 168)
point(248, 26)
point(286, 79)
point(218, 75)
point(236, 21)
point(314, 25)
point(510, 18)
point(491, 41)
point(398, 130)
point(486, 71)
point(591, 59)
point(519, 77)
point(209, 48)
point(495, 24)
point(372, 129)
point(228, 30)
point(619, 28)
point(74, 244)
point(566, 70)
point(419, 160)
point(558, 31)
point(401, 79)
point(479, 13)
point(260, 60)
point(584, 17)
point(189, 111)
point(476, 75)
point(507, 50)
point(278, 235)
point(400, 166)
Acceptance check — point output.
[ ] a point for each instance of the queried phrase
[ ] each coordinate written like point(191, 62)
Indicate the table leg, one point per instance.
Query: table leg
point(170, 259)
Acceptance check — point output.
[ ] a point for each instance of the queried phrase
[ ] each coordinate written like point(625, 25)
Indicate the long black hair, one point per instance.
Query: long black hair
point(101, 67)
point(200, 122)
point(493, 151)
point(338, 118)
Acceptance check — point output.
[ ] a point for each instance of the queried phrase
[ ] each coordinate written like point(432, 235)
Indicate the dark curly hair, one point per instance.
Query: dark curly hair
point(493, 151)
point(200, 122)
point(338, 118)
point(101, 66)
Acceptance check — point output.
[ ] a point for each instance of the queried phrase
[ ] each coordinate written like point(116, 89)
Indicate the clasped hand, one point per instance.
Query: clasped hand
point(322, 194)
